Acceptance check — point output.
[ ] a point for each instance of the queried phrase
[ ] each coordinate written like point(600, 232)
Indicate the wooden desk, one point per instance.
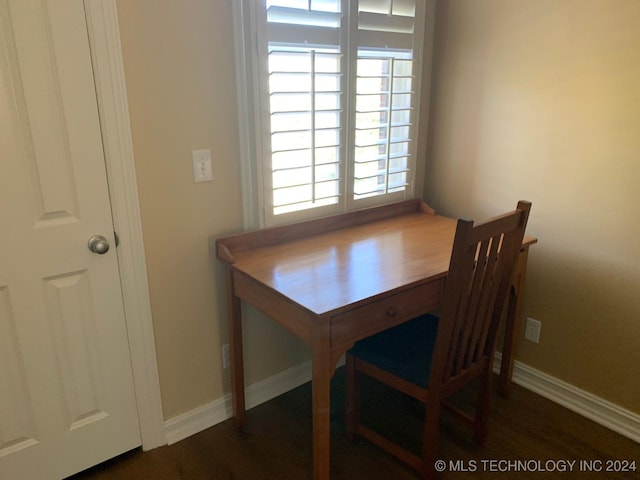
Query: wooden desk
point(339, 279)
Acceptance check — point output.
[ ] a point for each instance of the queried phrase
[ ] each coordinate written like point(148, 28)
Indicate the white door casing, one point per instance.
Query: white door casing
point(104, 37)
point(69, 398)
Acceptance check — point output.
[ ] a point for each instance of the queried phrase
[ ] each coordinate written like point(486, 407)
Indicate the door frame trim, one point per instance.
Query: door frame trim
point(106, 52)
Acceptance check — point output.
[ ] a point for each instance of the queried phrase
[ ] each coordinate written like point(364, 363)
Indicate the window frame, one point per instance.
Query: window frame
point(251, 53)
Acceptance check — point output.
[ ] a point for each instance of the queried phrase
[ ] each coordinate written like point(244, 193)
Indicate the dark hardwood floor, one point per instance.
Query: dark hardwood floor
point(276, 444)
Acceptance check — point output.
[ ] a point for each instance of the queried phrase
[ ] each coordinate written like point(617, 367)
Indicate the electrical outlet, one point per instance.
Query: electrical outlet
point(532, 330)
point(226, 358)
point(202, 170)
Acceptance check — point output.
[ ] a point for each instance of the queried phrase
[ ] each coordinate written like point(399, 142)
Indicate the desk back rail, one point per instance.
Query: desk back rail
point(226, 247)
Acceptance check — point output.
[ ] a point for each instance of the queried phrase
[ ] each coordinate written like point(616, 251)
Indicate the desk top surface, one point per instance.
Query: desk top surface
point(326, 271)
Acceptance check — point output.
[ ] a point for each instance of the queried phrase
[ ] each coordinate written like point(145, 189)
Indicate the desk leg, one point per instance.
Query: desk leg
point(235, 353)
point(321, 405)
point(512, 326)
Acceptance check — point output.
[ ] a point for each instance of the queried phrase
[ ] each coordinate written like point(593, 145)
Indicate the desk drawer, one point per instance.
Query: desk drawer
point(373, 317)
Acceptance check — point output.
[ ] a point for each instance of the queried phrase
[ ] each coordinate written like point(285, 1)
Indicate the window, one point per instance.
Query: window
point(329, 93)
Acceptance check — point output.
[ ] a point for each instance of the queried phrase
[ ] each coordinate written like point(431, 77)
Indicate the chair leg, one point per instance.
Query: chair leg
point(483, 408)
point(351, 400)
point(431, 437)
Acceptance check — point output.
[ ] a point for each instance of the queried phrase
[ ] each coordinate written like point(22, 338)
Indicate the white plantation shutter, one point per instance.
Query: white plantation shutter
point(383, 124)
point(396, 18)
point(334, 102)
point(306, 104)
point(385, 97)
point(305, 114)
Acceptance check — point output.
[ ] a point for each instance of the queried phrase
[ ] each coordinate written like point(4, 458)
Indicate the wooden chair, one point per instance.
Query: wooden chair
point(429, 358)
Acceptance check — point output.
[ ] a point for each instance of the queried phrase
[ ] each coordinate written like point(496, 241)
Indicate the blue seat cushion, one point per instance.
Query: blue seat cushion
point(404, 351)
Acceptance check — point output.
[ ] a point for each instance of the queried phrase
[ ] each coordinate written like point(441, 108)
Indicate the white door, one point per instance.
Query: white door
point(66, 388)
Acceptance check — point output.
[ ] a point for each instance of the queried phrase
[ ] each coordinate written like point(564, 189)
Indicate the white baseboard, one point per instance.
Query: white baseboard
point(601, 411)
point(200, 418)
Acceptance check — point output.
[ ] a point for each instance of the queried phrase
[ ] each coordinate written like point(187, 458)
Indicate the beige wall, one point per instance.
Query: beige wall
point(541, 100)
point(180, 80)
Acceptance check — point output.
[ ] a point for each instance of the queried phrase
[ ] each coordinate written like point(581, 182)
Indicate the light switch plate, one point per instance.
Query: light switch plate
point(202, 170)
